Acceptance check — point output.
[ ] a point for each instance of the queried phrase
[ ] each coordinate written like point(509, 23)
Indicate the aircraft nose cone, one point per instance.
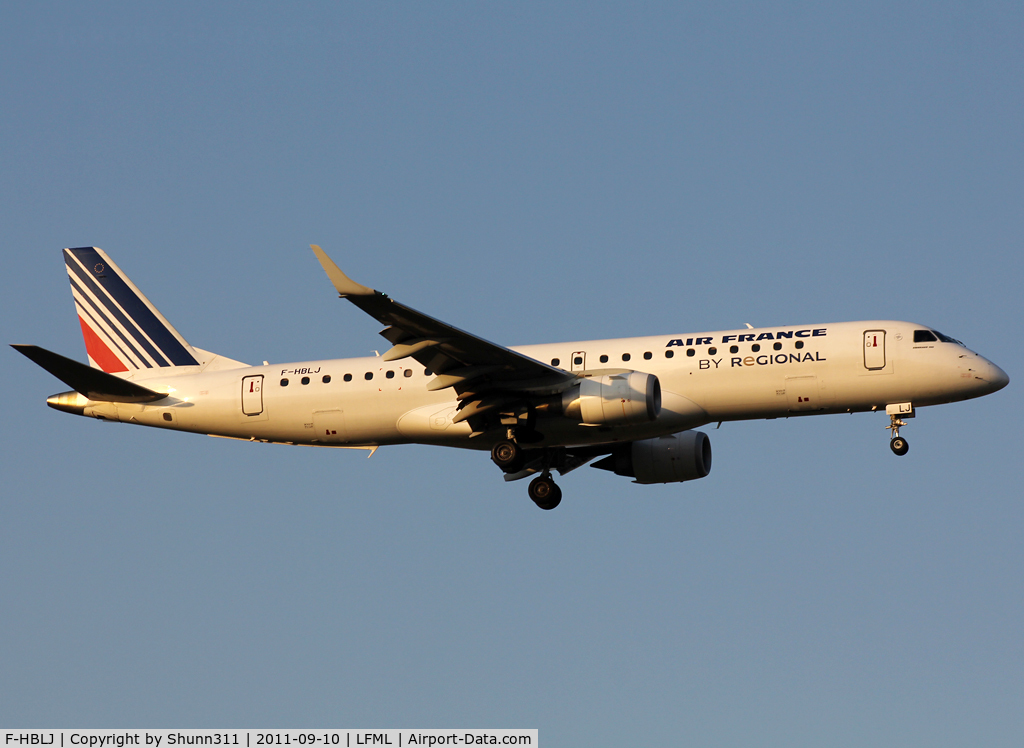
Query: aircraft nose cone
point(997, 377)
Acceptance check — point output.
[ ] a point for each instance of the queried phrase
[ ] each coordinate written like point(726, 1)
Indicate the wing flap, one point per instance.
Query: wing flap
point(409, 347)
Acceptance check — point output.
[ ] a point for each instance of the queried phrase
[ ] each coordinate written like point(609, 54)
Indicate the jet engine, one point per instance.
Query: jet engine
point(614, 399)
point(665, 459)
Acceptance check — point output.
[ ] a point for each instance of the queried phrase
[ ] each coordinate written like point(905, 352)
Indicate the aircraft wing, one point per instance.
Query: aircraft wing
point(461, 360)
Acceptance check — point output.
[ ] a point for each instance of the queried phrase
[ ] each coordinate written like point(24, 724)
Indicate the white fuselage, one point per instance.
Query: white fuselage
point(774, 372)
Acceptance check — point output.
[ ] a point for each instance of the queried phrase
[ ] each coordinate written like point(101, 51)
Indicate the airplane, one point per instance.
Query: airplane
point(632, 402)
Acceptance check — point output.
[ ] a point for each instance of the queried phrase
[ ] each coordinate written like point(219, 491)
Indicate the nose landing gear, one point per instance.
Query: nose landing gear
point(897, 444)
point(897, 412)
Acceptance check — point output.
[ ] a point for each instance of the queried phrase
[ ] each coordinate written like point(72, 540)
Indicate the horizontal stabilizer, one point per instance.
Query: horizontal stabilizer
point(93, 383)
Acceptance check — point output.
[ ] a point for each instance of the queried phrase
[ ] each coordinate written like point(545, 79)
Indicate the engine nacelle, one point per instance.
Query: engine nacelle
point(665, 459)
point(614, 399)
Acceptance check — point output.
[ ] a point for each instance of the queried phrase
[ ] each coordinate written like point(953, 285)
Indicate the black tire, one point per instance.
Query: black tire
point(899, 446)
point(545, 493)
point(508, 456)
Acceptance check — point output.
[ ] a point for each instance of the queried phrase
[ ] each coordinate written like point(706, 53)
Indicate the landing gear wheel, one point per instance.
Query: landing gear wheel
point(508, 456)
point(899, 445)
point(545, 493)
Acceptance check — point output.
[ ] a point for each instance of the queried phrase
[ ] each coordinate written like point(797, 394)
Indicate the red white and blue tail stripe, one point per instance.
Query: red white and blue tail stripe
point(122, 330)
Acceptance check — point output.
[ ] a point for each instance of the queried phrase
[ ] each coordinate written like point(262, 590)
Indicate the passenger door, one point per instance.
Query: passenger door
point(874, 349)
point(252, 395)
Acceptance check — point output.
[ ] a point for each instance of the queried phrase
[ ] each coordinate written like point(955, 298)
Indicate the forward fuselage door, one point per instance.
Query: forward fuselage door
point(578, 361)
point(874, 349)
point(252, 395)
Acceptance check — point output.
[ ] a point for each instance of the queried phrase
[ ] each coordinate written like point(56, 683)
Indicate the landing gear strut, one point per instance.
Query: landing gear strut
point(897, 444)
point(544, 492)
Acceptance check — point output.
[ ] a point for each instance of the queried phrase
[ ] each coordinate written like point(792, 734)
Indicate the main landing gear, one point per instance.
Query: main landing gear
point(511, 458)
point(508, 456)
point(544, 492)
point(897, 444)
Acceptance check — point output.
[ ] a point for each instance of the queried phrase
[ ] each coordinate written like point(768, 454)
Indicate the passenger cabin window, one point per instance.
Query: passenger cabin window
point(327, 378)
point(734, 349)
point(284, 382)
point(578, 361)
point(368, 376)
point(555, 362)
point(712, 351)
point(798, 344)
point(625, 357)
point(604, 359)
point(390, 375)
point(755, 347)
point(690, 352)
point(669, 353)
point(347, 377)
point(924, 336)
point(407, 373)
point(647, 355)
point(305, 380)
point(777, 346)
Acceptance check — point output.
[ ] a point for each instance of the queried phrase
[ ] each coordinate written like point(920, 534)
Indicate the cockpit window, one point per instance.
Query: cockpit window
point(924, 336)
point(947, 339)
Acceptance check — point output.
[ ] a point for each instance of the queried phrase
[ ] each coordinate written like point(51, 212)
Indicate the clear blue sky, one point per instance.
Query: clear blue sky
point(534, 173)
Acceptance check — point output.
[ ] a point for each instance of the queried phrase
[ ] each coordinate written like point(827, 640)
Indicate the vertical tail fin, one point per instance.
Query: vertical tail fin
point(123, 331)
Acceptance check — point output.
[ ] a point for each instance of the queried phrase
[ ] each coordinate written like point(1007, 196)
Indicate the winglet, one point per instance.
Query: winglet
point(345, 285)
